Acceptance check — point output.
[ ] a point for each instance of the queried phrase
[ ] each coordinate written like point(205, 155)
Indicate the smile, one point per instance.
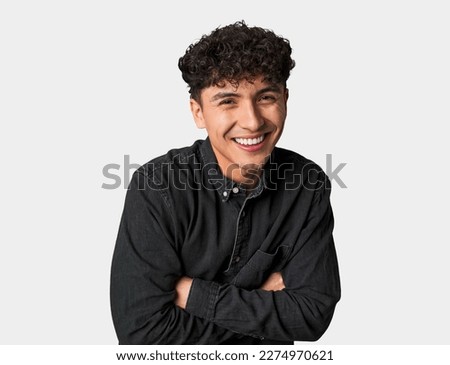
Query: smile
point(250, 141)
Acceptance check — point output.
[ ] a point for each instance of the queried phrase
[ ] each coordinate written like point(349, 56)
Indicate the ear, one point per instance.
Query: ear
point(197, 113)
point(286, 95)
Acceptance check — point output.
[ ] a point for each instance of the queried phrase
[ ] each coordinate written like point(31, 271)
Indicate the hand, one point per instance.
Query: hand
point(182, 287)
point(274, 282)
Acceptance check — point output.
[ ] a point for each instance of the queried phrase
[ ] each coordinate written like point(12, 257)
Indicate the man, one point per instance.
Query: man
point(228, 241)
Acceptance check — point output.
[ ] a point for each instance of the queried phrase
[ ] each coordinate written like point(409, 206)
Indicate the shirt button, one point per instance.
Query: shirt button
point(237, 259)
point(225, 194)
point(235, 190)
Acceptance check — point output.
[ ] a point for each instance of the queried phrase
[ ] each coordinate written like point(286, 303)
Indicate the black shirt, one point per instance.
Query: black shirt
point(182, 217)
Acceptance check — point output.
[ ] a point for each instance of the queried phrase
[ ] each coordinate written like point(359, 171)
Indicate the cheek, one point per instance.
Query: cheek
point(281, 117)
point(218, 123)
point(282, 110)
point(275, 111)
point(276, 117)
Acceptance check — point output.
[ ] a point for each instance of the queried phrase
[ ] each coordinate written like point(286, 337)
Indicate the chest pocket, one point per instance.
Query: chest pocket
point(260, 266)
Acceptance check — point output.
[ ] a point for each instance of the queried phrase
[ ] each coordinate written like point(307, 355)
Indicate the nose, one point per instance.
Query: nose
point(250, 117)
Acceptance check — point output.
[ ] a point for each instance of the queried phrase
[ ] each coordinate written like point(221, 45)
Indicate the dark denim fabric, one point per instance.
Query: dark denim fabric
point(182, 217)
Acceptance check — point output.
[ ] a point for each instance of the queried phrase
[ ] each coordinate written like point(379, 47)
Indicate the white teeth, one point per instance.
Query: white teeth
point(249, 141)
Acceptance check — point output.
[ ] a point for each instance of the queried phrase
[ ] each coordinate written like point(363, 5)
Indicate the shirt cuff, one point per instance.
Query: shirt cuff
point(202, 298)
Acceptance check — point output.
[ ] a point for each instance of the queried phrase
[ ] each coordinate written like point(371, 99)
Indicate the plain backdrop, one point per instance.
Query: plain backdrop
point(84, 84)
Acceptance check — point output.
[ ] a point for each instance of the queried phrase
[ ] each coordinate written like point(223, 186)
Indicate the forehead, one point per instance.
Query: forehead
point(242, 86)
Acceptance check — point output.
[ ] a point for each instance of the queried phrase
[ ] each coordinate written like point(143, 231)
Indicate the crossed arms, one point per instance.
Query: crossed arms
point(153, 302)
point(273, 283)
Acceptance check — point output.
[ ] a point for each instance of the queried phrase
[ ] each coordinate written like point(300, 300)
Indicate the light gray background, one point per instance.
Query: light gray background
point(83, 83)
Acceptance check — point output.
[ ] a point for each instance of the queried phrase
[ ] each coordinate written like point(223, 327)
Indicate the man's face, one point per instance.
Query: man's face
point(243, 123)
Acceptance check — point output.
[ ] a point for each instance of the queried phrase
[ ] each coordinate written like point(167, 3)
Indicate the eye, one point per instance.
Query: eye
point(267, 98)
point(227, 102)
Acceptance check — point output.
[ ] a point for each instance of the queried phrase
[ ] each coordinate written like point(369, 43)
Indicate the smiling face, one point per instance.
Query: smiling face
point(243, 123)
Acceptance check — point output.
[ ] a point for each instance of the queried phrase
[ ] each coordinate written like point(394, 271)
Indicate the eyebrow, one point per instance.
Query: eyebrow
point(222, 95)
point(271, 88)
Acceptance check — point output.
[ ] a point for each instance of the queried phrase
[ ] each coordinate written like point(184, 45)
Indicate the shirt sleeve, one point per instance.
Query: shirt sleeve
point(300, 312)
point(145, 268)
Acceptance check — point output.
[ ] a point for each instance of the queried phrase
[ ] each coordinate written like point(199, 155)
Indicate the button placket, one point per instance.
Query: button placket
point(241, 241)
point(239, 251)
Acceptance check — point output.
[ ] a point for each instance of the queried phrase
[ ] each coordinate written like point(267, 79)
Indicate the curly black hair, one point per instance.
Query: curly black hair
point(236, 52)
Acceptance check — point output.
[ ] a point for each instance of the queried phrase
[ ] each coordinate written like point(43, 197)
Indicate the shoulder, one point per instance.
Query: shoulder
point(163, 176)
point(160, 169)
point(291, 163)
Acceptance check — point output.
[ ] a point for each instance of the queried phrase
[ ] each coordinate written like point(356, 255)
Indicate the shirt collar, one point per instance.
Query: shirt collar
point(225, 186)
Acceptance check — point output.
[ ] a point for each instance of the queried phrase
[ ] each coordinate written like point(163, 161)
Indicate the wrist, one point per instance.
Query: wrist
point(182, 288)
